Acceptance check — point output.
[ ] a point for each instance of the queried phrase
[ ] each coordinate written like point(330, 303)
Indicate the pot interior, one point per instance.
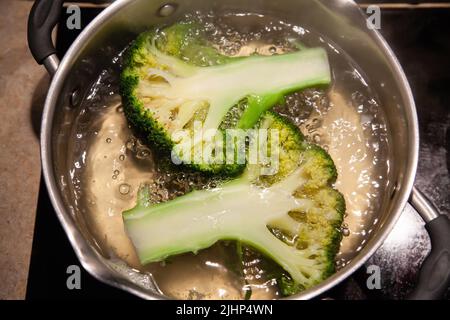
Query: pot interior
point(382, 117)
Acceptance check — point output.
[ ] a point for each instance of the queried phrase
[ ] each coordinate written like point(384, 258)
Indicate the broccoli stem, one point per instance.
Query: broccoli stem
point(256, 106)
point(263, 79)
point(237, 211)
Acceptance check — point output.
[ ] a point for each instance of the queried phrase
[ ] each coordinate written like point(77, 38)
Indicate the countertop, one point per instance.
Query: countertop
point(23, 85)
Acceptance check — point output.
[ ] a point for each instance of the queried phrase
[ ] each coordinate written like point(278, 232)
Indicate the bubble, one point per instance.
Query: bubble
point(143, 154)
point(108, 140)
point(131, 144)
point(345, 232)
point(316, 138)
point(122, 157)
point(116, 172)
point(167, 10)
point(232, 52)
point(114, 177)
point(124, 188)
point(273, 49)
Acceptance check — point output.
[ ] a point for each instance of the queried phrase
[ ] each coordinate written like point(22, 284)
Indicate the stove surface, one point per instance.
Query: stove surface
point(419, 37)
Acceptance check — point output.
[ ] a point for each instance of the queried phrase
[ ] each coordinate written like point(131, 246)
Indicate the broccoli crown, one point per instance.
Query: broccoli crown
point(173, 77)
point(293, 217)
point(315, 226)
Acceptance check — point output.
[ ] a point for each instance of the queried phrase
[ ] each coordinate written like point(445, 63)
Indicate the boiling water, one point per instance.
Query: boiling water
point(109, 163)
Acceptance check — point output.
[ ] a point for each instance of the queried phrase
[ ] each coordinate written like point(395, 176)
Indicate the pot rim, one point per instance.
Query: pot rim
point(90, 258)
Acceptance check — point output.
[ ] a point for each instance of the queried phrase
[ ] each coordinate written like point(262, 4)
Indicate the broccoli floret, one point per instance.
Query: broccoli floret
point(173, 78)
point(292, 217)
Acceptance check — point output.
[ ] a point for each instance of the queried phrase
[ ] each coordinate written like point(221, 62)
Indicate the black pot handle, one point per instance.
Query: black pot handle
point(434, 277)
point(43, 18)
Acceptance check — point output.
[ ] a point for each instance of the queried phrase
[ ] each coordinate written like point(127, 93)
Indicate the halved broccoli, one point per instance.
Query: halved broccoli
point(174, 77)
point(292, 217)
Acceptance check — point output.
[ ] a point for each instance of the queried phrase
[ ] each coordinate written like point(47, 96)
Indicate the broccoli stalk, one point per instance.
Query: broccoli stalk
point(224, 213)
point(292, 217)
point(187, 88)
point(174, 77)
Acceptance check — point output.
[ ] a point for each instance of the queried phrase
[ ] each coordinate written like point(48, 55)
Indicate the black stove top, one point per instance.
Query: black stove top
point(420, 39)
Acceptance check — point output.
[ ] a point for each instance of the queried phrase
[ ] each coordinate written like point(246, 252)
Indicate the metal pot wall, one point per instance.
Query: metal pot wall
point(340, 20)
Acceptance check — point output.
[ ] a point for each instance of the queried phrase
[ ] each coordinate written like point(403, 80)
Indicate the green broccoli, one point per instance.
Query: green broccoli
point(173, 78)
point(292, 217)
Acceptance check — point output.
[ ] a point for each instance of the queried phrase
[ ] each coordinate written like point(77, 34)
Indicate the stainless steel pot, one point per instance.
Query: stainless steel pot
point(339, 20)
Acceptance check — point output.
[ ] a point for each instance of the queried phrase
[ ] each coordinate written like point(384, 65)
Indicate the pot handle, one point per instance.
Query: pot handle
point(42, 20)
point(434, 277)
